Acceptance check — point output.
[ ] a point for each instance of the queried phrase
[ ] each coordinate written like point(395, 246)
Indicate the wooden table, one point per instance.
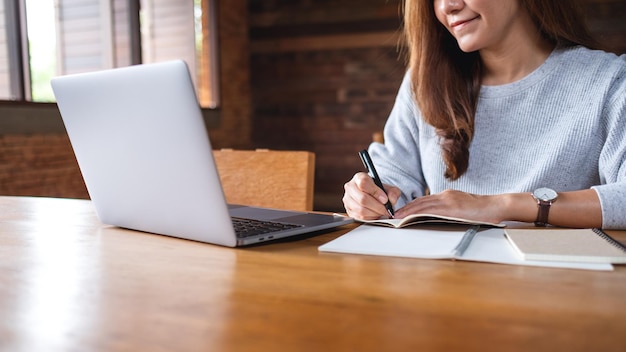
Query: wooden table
point(69, 283)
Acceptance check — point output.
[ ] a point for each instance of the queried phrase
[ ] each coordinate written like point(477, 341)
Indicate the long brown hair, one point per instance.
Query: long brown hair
point(446, 81)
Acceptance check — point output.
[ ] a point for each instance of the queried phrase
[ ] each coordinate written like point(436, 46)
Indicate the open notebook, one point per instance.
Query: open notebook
point(416, 219)
point(441, 242)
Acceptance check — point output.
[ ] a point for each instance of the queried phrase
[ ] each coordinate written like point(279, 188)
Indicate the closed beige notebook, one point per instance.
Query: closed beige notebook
point(572, 245)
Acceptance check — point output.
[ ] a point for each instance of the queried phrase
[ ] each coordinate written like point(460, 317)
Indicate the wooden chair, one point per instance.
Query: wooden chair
point(378, 137)
point(267, 178)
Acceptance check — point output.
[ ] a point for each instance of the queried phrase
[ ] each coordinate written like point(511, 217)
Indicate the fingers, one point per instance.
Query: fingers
point(454, 203)
point(364, 200)
point(420, 205)
point(439, 204)
point(393, 193)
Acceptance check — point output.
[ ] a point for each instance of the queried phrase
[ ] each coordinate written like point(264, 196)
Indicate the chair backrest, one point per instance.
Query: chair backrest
point(378, 137)
point(267, 178)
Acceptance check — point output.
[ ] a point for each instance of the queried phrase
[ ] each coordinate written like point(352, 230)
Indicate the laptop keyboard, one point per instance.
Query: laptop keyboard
point(251, 227)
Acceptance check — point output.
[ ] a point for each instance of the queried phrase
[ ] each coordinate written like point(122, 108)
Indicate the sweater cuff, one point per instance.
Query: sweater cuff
point(611, 200)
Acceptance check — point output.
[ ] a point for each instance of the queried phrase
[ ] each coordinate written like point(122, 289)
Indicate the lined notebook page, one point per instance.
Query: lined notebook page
point(582, 245)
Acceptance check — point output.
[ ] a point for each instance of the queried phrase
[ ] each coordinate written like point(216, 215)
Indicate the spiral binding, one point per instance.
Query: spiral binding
point(609, 239)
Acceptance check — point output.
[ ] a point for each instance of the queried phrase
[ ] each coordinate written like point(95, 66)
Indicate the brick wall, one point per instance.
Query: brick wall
point(329, 102)
point(42, 165)
point(324, 77)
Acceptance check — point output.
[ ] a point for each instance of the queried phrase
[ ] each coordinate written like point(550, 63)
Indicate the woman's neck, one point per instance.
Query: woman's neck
point(515, 58)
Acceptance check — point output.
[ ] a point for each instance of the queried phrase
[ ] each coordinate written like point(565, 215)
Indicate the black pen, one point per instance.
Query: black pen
point(371, 170)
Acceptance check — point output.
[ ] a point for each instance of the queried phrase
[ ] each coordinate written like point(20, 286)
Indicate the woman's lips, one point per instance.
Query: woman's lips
point(461, 23)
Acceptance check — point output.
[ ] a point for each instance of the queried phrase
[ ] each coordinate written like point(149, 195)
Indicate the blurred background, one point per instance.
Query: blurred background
point(316, 75)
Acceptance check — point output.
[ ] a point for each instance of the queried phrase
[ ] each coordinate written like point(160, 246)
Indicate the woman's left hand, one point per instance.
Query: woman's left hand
point(456, 204)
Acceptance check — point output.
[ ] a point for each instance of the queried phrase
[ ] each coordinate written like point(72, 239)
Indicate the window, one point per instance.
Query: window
point(42, 39)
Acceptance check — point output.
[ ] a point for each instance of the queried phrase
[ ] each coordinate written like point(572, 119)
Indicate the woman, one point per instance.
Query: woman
point(502, 98)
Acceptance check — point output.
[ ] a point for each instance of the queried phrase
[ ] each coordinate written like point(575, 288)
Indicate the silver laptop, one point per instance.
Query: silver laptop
point(145, 155)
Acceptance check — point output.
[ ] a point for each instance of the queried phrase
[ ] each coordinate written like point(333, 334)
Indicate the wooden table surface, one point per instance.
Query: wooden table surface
point(69, 283)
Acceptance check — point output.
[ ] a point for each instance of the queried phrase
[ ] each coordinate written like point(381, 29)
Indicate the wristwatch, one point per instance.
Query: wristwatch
point(544, 197)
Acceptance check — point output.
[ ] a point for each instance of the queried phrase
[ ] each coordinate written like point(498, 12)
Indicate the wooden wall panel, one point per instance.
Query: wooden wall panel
point(234, 62)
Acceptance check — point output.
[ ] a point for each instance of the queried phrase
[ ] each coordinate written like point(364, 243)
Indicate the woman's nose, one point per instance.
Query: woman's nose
point(449, 6)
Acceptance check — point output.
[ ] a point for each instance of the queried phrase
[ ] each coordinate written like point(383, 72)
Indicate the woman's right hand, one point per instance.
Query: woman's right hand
point(364, 200)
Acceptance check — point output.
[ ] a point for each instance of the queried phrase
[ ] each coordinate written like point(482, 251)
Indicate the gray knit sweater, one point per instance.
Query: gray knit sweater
point(563, 126)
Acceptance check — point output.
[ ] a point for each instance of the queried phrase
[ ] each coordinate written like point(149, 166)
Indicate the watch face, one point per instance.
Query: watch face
point(545, 194)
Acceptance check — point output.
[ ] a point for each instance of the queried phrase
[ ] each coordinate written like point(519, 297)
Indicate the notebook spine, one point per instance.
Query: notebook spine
point(609, 239)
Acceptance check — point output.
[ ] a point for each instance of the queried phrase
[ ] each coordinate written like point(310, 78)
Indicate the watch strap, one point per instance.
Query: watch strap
point(542, 213)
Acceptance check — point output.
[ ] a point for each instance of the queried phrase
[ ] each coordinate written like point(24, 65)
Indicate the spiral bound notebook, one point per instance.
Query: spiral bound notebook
point(571, 245)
